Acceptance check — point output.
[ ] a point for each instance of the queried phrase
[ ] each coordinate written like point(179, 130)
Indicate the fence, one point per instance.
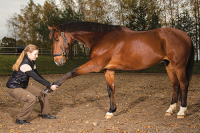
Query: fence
point(43, 51)
point(16, 50)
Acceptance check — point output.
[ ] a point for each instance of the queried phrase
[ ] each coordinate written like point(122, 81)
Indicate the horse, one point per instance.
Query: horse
point(20, 49)
point(115, 47)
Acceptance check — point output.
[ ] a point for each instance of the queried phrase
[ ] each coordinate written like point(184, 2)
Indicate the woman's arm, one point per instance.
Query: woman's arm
point(28, 70)
point(38, 78)
point(36, 71)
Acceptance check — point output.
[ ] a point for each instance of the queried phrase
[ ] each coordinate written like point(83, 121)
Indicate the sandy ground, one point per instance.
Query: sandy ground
point(81, 103)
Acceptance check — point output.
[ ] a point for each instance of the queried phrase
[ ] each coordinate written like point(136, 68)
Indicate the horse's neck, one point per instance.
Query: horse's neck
point(86, 38)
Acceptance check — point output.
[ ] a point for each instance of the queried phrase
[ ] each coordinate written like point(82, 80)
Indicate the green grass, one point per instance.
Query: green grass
point(46, 65)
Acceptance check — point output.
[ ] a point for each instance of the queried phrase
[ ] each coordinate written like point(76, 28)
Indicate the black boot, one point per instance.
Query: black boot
point(22, 122)
point(48, 116)
point(47, 90)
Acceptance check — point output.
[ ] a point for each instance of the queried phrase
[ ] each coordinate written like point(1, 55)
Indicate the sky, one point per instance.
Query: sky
point(8, 8)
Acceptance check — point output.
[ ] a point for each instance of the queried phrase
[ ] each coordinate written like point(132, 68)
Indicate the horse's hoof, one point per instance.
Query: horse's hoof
point(167, 114)
point(180, 116)
point(182, 112)
point(109, 115)
point(47, 90)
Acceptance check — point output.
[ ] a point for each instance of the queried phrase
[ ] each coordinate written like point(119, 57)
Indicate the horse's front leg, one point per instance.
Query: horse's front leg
point(59, 82)
point(109, 75)
point(67, 76)
point(94, 65)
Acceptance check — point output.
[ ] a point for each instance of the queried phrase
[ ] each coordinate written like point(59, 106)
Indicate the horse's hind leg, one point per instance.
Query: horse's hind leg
point(184, 83)
point(109, 75)
point(180, 86)
point(176, 88)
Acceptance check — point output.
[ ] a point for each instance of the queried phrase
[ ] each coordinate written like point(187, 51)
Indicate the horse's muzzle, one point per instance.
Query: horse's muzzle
point(60, 61)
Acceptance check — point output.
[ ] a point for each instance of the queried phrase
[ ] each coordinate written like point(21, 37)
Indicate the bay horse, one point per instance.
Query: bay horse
point(114, 47)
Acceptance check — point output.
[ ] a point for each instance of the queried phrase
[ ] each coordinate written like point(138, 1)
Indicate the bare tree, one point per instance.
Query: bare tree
point(195, 10)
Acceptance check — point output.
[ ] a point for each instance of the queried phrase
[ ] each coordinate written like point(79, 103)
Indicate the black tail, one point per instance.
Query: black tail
point(190, 65)
point(189, 69)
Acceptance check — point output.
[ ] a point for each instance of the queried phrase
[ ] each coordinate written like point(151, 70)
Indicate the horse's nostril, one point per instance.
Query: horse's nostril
point(62, 61)
point(57, 63)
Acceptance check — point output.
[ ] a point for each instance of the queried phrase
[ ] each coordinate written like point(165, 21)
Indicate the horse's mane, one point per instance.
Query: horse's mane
point(87, 26)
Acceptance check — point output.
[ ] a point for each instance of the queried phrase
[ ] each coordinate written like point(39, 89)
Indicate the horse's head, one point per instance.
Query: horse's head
point(61, 44)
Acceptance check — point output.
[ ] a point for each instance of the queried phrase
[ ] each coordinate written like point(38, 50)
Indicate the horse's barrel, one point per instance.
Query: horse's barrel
point(20, 49)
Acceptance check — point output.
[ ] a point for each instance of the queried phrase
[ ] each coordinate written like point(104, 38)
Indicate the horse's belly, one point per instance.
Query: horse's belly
point(132, 64)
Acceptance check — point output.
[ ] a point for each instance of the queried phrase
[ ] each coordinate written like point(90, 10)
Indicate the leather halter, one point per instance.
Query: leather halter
point(63, 52)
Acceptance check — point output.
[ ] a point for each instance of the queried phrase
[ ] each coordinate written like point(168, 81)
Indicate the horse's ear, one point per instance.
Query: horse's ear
point(55, 27)
point(50, 28)
point(51, 32)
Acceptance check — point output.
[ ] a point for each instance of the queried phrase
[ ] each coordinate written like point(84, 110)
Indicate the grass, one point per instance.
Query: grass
point(46, 65)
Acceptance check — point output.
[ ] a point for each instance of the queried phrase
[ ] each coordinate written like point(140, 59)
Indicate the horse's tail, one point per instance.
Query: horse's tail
point(190, 64)
point(189, 69)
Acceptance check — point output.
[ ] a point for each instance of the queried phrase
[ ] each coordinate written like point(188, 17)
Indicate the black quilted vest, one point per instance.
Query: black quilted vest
point(18, 79)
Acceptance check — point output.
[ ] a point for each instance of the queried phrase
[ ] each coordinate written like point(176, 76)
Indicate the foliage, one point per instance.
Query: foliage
point(58, 17)
point(154, 22)
point(8, 42)
point(185, 22)
point(141, 19)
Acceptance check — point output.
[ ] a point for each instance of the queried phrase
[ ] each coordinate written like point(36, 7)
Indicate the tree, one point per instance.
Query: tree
point(195, 9)
point(143, 17)
point(94, 10)
point(186, 23)
point(8, 42)
point(169, 9)
point(56, 16)
point(21, 43)
point(24, 23)
point(28, 21)
point(137, 20)
point(154, 22)
point(12, 25)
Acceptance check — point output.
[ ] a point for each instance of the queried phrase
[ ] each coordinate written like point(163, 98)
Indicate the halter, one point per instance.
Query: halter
point(65, 40)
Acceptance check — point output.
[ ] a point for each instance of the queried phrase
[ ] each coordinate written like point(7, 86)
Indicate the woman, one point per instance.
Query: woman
point(19, 89)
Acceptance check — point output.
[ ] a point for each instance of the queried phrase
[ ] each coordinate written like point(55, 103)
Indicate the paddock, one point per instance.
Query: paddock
point(80, 105)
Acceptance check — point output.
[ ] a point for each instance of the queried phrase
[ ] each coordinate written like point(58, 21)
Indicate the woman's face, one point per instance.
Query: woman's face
point(32, 56)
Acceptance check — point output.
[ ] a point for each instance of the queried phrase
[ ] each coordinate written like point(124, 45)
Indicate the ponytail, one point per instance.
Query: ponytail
point(15, 67)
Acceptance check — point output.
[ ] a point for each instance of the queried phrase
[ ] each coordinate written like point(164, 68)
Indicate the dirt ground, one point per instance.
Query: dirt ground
point(81, 103)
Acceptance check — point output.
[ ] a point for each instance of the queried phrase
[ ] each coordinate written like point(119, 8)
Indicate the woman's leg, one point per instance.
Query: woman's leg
point(36, 91)
point(27, 98)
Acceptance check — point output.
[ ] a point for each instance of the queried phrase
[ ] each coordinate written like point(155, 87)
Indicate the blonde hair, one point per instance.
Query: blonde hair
point(29, 48)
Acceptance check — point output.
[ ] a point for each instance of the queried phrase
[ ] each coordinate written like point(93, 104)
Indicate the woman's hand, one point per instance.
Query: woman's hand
point(54, 87)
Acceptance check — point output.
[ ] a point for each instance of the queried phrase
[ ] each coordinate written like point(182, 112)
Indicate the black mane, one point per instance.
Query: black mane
point(87, 26)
